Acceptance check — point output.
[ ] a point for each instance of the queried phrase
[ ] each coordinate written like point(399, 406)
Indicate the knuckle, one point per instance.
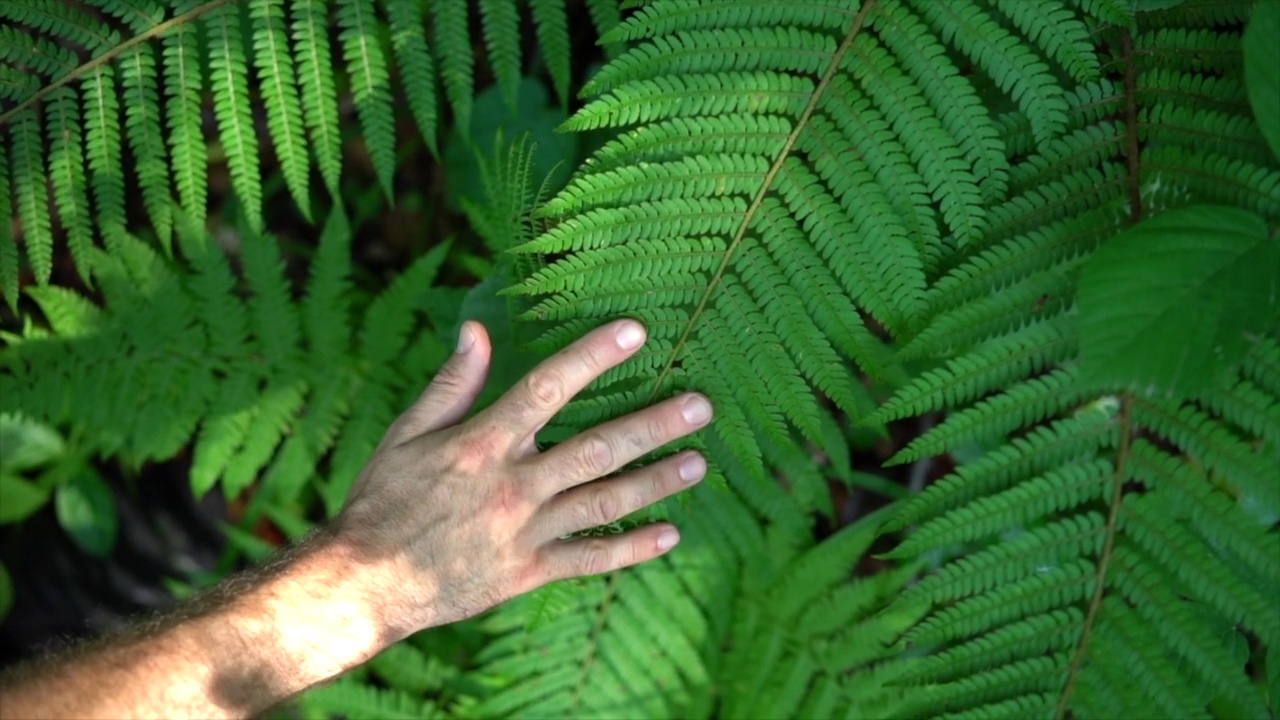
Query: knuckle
point(592, 357)
point(545, 388)
point(657, 488)
point(596, 455)
point(596, 558)
point(602, 508)
point(656, 431)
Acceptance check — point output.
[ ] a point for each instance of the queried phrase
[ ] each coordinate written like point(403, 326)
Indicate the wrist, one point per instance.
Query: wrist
point(311, 619)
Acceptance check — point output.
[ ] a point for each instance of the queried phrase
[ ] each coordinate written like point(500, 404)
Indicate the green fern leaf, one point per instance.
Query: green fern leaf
point(316, 87)
point(605, 16)
point(389, 318)
point(500, 23)
point(229, 81)
point(1014, 66)
point(417, 67)
point(274, 316)
point(31, 194)
point(551, 24)
point(103, 147)
point(146, 141)
point(356, 701)
point(66, 174)
point(370, 86)
point(1020, 405)
point(184, 85)
point(221, 434)
point(325, 308)
point(280, 96)
point(457, 60)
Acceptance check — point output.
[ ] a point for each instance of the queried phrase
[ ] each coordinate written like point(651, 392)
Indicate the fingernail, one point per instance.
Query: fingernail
point(668, 539)
point(630, 335)
point(466, 339)
point(693, 468)
point(696, 410)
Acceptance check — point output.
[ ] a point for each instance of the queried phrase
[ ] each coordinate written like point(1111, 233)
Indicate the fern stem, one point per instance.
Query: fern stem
point(106, 57)
point(765, 185)
point(741, 233)
point(1104, 560)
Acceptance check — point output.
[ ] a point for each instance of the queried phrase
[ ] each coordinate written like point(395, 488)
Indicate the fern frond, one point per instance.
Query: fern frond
point(1163, 530)
point(991, 366)
point(66, 175)
point(781, 640)
point(457, 61)
point(1021, 405)
point(184, 85)
point(279, 90)
point(142, 127)
point(30, 190)
point(500, 24)
point(229, 81)
point(417, 66)
point(838, 140)
point(370, 86)
point(316, 86)
point(1014, 66)
point(551, 24)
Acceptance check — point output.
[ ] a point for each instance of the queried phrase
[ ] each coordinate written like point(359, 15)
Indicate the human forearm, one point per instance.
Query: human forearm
point(450, 517)
point(250, 643)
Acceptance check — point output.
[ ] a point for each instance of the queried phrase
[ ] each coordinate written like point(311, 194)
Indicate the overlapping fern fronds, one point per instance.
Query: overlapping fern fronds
point(82, 85)
point(741, 623)
point(788, 177)
point(1111, 349)
point(265, 385)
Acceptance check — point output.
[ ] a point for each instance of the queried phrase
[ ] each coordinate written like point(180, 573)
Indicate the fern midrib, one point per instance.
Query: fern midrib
point(1133, 159)
point(765, 186)
point(110, 55)
point(747, 219)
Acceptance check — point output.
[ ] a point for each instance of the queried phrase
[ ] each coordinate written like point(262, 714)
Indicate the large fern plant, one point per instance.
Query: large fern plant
point(1016, 188)
point(1049, 225)
point(82, 84)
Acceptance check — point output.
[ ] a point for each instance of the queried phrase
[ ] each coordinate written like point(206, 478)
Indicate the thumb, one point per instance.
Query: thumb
point(455, 387)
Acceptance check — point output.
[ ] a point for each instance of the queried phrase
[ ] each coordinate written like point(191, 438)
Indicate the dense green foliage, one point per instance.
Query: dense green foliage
point(1044, 230)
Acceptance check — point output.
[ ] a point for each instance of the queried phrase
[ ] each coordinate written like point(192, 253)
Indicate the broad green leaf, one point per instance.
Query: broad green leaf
point(19, 498)
point(1168, 307)
point(1262, 69)
point(26, 444)
point(6, 592)
point(87, 512)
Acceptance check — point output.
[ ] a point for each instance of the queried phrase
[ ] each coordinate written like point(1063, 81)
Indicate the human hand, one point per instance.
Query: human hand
point(450, 518)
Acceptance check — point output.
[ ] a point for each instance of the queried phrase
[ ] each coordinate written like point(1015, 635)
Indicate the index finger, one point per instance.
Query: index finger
point(548, 387)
